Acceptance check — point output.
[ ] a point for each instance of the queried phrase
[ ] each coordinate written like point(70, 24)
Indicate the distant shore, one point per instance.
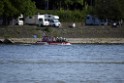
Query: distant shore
point(71, 40)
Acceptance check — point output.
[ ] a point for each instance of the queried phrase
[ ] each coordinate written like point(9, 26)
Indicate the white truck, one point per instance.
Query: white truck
point(53, 20)
point(39, 20)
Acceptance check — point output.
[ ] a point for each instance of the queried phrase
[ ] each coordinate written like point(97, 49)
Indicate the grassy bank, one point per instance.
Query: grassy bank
point(79, 32)
point(19, 31)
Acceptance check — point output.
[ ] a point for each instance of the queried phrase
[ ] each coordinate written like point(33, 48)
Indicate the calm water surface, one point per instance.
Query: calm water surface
point(62, 64)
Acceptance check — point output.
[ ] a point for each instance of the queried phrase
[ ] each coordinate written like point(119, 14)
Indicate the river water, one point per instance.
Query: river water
point(78, 63)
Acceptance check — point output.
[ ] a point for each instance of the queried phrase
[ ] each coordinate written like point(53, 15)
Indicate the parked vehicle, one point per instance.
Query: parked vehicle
point(20, 20)
point(39, 20)
point(54, 23)
point(53, 20)
point(43, 20)
point(92, 20)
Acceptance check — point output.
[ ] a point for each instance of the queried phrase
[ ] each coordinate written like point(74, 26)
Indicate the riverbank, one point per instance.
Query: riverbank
point(80, 34)
point(71, 40)
point(80, 31)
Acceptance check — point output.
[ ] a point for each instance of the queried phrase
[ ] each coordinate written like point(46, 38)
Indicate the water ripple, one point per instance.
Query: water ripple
point(58, 62)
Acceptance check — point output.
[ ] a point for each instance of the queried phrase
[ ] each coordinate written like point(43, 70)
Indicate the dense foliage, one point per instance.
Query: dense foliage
point(63, 4)
point(111, 9)
point(68, 10)
point(66, 15)
point(121, 4)
point(1, 7)
point(13, 8)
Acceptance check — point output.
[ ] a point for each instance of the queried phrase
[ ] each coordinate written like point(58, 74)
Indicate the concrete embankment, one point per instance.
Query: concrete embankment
point(72, 40)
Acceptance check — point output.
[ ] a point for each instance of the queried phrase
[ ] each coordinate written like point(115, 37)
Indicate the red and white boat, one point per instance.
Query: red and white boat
point(46, 40)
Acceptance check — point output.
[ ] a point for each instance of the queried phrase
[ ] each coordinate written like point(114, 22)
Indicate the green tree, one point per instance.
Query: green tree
point(67, 3)
point(78, 2)
point(121, 4)
point(60, 4)
point(109, 9)
point(1, 8)
point(29, 8)
point(13, 8)
point(8, 11)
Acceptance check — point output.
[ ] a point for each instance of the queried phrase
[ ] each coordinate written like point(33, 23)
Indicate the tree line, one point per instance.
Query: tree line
point(10, 9)
point(63, 4)
point(110, 9)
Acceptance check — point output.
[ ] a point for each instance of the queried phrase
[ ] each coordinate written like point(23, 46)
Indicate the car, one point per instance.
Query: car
point(55, 23)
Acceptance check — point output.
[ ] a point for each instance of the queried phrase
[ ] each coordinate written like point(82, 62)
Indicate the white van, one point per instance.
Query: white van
point(54, 23)
point(53, 20)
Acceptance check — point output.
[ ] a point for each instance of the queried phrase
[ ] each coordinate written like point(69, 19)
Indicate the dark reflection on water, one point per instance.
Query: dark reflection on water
point(58, 62)
point(62, 64)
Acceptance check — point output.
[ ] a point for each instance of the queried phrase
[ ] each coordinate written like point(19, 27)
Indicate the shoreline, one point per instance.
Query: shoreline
point(97, 40)
point(71, 40)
